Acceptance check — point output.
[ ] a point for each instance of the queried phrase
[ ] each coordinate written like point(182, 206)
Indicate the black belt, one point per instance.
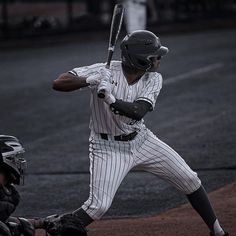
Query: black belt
point(123, 137)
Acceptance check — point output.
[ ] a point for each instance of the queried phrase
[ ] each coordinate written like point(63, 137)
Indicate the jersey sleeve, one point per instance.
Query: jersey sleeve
point(86, 71)
point(151, 90)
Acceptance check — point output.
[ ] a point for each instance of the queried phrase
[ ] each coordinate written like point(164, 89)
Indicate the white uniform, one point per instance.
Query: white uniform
point(111, 160)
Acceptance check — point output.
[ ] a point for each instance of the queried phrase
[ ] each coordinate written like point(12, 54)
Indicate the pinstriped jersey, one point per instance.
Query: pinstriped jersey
point(102, 119)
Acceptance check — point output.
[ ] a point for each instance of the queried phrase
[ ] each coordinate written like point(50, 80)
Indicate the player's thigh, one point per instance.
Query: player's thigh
point(109, 164)
point(160, 159)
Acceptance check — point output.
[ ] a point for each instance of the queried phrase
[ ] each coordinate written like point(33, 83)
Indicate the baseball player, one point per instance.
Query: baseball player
point(12, 165)
point(119, 139)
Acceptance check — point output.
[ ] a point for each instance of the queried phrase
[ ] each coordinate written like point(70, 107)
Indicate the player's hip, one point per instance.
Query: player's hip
point(123, 143)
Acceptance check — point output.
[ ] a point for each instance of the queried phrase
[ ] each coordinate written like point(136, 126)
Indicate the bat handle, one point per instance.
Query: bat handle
point(101, 93)
point(109, 56)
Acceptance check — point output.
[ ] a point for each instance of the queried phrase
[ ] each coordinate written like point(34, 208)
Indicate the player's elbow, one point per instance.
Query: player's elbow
point(58, 86)
point(59, 83)
point(137, 115)
point(140, 109)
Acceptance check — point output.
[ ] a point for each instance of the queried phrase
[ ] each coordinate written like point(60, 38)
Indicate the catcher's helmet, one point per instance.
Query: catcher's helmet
point(12, 161)
point(138, 47)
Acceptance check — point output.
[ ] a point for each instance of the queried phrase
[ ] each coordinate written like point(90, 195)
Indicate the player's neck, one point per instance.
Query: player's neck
point(132, 76)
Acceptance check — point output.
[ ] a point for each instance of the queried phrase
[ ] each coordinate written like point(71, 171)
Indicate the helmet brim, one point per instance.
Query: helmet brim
point(163, 51)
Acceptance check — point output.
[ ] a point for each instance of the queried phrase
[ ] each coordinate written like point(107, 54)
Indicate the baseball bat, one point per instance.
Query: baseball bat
point(116, 23)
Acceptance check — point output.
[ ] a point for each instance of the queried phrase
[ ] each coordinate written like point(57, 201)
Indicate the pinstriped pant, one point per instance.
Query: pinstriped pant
point(110, 162)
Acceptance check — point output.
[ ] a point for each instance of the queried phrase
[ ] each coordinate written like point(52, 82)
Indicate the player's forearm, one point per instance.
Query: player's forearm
point(67, 82)
point(134, 110)
point(38, 223)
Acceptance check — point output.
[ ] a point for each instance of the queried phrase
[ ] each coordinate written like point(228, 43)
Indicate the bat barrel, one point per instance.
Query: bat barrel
point(114, 32)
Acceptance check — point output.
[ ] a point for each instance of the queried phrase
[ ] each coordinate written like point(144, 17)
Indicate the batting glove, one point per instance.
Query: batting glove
point(94, 80)
point(107, 88)
point(105, 73)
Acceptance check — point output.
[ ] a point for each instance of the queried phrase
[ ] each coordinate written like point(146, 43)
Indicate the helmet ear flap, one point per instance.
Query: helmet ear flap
point(143, 64)
point(125, 57)
point(132, 61)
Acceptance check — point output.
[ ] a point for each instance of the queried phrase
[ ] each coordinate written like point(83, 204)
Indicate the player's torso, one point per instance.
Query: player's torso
point(103, 120)
point(122, 90)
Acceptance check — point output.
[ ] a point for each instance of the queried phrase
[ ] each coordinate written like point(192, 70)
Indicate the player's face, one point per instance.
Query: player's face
point(156, 61)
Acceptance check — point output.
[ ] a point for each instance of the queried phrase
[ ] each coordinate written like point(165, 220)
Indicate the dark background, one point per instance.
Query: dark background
point(195, 112)
point(27, 18)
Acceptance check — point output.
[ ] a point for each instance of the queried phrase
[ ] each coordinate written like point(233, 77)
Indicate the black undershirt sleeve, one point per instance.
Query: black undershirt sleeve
point(134, 110)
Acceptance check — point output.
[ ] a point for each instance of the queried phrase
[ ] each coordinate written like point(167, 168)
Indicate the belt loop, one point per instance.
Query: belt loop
point(104, 136)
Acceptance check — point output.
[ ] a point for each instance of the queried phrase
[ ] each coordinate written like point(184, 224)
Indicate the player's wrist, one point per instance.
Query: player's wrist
point(87, 81)
point(110, 99)
point(93, 80)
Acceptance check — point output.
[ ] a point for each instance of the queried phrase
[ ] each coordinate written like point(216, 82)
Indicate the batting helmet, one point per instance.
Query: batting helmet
point(12, 161)
point(138, 47)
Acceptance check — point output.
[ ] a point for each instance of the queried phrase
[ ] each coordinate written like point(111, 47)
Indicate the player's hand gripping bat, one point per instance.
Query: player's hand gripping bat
point(116, 23)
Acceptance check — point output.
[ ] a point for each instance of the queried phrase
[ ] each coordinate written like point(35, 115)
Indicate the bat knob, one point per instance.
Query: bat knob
point(101, 94)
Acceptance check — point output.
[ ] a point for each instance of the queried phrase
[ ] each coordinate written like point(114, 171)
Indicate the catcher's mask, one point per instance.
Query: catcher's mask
point(12, 162)
point(139, 47)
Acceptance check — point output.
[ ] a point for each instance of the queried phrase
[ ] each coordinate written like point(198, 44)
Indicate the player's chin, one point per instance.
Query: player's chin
point(156, 66)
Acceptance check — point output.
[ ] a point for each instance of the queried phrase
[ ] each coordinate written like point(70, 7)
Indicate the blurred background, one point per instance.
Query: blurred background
point(195, 112)
point(25, 18)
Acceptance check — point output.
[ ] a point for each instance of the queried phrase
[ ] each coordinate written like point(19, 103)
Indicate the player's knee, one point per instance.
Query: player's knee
point(103, 208)
point(97, 208)
point(191, 183)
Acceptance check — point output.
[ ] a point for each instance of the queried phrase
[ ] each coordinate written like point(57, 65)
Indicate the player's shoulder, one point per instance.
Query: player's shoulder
point(88, 69)
point(154, 76)
point(94, 66)
point(152, 80)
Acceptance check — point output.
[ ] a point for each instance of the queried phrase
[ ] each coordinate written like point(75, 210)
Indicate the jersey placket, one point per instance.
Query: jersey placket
point(129, 93)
